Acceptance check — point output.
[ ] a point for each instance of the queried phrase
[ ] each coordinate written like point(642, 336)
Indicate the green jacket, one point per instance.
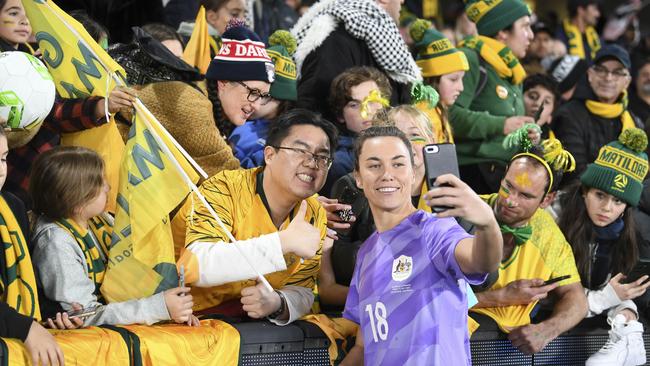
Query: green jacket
point(477, 122)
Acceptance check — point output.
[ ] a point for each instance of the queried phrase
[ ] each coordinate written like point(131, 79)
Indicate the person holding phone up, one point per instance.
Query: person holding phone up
point(534, 251)
point(598, 222)
point(413, 270)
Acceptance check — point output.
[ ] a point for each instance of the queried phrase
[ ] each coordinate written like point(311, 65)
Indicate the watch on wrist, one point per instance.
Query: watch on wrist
point(283, 305)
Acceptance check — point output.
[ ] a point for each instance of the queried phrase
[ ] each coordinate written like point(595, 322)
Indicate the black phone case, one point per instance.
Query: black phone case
point(641, 269)
point(439, 159)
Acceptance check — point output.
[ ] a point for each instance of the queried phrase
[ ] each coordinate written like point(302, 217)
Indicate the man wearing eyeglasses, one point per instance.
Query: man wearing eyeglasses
point(597, 113)
point(273, 214)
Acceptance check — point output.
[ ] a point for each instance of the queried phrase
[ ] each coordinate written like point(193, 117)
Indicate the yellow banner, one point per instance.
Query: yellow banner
point(80, 68)
point(197, 52)
point(141, 258)
point(213, 343)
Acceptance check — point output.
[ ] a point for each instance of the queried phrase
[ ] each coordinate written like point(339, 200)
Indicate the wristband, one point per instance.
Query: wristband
point(283, 305)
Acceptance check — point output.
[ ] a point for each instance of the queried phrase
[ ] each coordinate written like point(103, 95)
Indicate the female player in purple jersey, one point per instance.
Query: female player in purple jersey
point(408, 288)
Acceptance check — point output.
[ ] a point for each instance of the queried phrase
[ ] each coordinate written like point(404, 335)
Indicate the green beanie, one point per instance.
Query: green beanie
point(436, 54)
point(620, 167)
point(282, 45)
point(491, 16)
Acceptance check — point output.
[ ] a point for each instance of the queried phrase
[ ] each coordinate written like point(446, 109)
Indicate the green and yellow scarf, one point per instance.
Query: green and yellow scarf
point(615, 110)
point(574, 37)
point(499, 56)
point(18, 283)
point(101, 228)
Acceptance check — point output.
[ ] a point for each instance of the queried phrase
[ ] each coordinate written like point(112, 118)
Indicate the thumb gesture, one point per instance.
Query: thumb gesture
point(300, 237)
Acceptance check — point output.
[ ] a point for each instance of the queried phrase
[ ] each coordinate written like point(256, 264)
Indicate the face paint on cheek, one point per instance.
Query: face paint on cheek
point(504, 193)
point(8, 22)
point(523, 180)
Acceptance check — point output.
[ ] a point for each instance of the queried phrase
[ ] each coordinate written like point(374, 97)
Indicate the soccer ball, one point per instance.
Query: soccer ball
point(26, 90)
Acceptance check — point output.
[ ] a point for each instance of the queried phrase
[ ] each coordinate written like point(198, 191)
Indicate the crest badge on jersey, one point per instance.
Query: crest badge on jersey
point(402, 268)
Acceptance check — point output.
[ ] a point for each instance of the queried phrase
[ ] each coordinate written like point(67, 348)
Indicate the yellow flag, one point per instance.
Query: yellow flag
point(141, 258)
point(197, 52)
point(80, 68)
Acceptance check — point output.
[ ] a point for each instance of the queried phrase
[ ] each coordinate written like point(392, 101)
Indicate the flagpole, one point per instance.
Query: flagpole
point(139, 106)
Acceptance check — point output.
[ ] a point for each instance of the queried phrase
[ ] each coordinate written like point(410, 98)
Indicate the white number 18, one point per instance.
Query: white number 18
point(378, 321)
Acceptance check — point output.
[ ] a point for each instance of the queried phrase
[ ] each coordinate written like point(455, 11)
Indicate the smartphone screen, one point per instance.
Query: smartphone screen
point(556, 279)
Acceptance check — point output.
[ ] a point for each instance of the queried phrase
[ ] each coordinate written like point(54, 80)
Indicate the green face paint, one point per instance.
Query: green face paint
point(103, 43)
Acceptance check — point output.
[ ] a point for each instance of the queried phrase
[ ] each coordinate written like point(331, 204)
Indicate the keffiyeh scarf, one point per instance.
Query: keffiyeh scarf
point(365, 20)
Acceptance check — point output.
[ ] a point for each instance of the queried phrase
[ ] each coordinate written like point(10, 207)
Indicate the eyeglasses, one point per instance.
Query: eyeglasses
point(255, 94)
point(322, 161)
point(602, 72)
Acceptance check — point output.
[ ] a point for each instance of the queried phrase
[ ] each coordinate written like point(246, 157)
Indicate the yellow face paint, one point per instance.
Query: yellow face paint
point(523, 180)
point(504, 192)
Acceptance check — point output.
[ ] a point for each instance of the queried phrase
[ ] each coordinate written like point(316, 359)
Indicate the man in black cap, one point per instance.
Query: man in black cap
point(598, 113)
point(578, 31)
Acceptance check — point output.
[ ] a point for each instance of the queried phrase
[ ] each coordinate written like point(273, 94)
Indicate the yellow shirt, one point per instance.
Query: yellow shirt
point(545, 255)
point(234, 196)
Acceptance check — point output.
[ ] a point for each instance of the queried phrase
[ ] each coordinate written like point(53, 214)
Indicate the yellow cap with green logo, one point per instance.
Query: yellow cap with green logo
point(620, 167)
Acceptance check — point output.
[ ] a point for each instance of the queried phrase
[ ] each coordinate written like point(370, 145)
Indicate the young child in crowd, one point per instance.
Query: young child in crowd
point(71, 240)
point(597, 221)
point(355, 96)
point(443, 68)
point(248, 140)
point(540, 99)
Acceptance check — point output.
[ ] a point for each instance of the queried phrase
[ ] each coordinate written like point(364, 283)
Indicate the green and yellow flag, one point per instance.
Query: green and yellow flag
point(197, 52)
point(141, 258)
point(80, 68)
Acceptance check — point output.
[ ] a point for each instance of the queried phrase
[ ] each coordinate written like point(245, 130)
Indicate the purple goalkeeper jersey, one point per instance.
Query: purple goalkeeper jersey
point(409, 295)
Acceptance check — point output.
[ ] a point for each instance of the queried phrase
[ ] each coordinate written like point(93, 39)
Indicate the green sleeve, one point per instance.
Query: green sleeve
point(472, 125)
point(468, 124)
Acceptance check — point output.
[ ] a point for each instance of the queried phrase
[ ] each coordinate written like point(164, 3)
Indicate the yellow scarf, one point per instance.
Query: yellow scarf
point(18, 284)
point(101, 229)
point(606, 110)
point(574, 37)
point(498, 56)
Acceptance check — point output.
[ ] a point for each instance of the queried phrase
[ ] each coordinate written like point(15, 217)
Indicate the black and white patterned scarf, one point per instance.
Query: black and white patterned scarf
point(365, 20)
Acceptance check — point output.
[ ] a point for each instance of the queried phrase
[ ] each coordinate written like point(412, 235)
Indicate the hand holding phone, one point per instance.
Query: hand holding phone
point(556, 279)
point(642, 268)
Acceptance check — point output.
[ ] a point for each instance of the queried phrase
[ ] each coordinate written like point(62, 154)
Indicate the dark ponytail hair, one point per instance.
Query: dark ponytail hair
point(579, 232)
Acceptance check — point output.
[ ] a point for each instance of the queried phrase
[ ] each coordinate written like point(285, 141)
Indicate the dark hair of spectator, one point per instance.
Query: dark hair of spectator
point(213, 5)
point(281, 127)
point(341, 88)
point(579, 232)
point(557, 174)
point(573, 5)
point(64, 179)
point(545, 81)
point(375, 132)
point(95, 29)
point(162, 32)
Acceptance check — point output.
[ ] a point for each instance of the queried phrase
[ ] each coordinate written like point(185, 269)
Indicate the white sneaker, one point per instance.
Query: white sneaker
point(624, 347)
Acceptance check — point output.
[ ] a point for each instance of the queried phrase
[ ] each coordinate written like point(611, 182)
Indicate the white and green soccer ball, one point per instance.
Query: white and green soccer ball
point(26, 90)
